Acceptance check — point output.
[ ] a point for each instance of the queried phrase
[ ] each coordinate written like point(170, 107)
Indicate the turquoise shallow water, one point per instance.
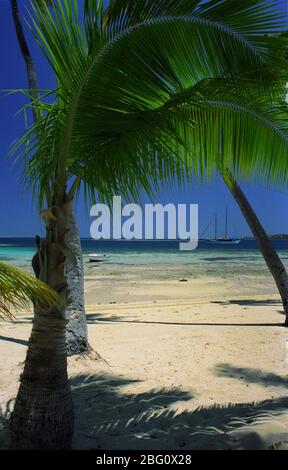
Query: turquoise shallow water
point(161, 259)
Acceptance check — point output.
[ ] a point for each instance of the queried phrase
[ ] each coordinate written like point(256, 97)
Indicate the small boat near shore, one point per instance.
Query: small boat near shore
point(97, 257)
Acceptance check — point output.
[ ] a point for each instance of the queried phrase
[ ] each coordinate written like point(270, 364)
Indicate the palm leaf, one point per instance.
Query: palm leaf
point(248, 17)
point(132, 88)
point(183, 137)
point(17, 288)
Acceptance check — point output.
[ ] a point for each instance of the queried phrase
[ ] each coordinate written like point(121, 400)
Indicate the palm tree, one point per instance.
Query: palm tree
point(18, 288)
point(76, 328)
point(134, 83)
point(269, 253)
point(263, 107)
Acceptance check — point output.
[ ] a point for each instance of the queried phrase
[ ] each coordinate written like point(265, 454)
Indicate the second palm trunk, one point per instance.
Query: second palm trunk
point(270, 256)
point(76, 328)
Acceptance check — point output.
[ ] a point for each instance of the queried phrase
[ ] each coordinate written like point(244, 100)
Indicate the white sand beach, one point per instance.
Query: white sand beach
point(193, 364)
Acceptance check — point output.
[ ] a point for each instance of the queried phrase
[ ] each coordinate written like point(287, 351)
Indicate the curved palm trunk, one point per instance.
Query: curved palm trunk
point(76, 328)
point(31, 73)
point(43, 414)
point(76, 336)
point(270, 256)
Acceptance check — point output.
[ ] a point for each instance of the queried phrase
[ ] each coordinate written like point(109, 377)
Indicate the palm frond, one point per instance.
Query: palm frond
point(248, 17)
point(182, 137)
point(132, 98)
point(17, 288)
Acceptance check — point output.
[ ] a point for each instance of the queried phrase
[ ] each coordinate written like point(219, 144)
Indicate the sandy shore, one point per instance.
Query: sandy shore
point(206, 371)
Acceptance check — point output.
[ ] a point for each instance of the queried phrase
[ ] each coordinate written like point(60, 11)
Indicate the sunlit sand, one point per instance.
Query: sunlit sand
point(179, 365)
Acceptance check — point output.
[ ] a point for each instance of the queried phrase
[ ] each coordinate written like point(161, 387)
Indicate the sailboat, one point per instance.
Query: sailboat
point(222, 240)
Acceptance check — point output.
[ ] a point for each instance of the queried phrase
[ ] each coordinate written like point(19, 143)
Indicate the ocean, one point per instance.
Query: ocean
point(156, 259)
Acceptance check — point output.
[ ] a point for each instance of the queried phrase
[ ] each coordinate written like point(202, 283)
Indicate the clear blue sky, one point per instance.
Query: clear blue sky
point(18, 213)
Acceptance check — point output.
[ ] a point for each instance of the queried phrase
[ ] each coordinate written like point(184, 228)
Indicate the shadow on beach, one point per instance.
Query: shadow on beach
point(252, 376)
point(93, 318)
point(107, 417)
point(14, 340)
point(247, 302)
point(5, 413)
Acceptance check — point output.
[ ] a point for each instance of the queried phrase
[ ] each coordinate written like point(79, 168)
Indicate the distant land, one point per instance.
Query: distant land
point(276, 236)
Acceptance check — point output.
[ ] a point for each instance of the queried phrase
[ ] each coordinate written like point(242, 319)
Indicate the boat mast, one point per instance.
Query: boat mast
point(226, 224)
point(215, 225)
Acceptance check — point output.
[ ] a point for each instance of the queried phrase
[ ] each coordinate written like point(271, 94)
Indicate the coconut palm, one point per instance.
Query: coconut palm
point(76, 327)
point(273, 261)
point(17, 288)
point(134, 83)
point(264, 108)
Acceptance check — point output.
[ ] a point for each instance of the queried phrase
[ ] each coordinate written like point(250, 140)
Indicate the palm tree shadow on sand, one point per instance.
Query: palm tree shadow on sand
point(110, 418)
point(251, 375)
point(5, 413)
